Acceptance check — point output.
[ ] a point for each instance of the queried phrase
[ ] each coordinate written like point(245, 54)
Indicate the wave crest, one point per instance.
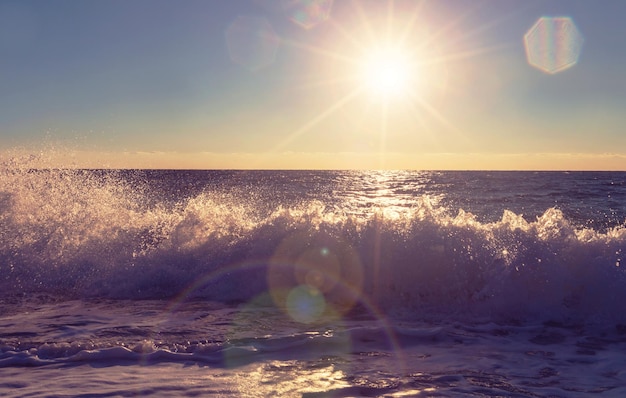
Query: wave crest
point(88, 234)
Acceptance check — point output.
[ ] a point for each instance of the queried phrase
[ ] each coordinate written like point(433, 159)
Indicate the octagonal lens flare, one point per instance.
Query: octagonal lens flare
point(553, 44)
point(309, 13)
point(252, 42)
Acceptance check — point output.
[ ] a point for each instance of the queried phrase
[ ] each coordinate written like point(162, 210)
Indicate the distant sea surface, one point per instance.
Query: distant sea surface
point(312, 283)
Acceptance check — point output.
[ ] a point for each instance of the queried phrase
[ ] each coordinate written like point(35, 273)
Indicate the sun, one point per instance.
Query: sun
point(388, 72)
point(384, 71)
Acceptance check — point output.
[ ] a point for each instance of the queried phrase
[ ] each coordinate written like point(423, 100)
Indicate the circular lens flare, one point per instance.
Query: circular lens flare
point(305, 304)
point(317, 271)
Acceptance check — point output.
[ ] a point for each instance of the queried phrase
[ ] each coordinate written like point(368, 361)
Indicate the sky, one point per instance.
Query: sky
point(317, 84)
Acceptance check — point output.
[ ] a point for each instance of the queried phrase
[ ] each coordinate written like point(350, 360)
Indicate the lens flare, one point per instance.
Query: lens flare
point(313, 274)
point(553, 44)
point(309, 13)
point(305, 304)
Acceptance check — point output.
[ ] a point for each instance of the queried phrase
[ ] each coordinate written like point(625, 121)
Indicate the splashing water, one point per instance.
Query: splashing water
point(340, 237)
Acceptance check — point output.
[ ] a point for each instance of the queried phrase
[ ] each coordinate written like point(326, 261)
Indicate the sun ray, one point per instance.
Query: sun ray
point(383, 136)
point(410, 25)
point(457, 22)
point(390, 17)
point(317, 119)
point(330, 82)
point(496, 22)
point(319, 51)
point(346, 35)
point(461, 55)
point(468, 34)
point(439, 117)
point(364, 21)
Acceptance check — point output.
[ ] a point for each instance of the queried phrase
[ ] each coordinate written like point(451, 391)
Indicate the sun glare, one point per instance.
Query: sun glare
point(387, 72)
point(384, 75)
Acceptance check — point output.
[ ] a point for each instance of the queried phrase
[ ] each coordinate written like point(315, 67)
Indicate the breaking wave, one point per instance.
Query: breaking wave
point(82, 234)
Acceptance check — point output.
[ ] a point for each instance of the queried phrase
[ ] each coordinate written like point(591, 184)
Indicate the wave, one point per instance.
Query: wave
point(231, 353)
point(89, 234)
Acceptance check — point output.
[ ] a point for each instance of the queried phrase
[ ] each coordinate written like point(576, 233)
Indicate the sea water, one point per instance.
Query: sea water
point(312, 283)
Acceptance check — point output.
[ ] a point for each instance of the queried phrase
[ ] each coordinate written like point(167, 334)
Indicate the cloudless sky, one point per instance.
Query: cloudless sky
point(240, 84)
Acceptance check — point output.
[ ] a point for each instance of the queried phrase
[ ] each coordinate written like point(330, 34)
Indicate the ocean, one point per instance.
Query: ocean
point(125, 283)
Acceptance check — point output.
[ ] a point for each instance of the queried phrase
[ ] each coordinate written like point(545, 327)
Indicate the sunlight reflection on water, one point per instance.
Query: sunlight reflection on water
point(290, 378)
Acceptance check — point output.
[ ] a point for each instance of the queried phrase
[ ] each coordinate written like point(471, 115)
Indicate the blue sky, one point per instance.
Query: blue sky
point(157, 83)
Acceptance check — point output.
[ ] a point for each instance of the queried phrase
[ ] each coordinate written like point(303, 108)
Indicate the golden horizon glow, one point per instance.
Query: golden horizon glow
point(74, 159)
